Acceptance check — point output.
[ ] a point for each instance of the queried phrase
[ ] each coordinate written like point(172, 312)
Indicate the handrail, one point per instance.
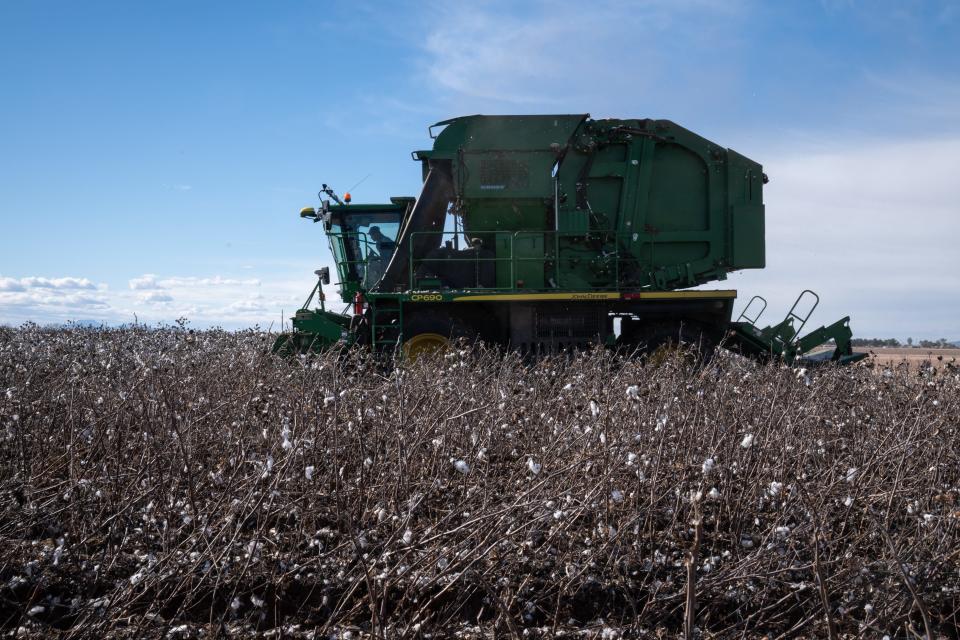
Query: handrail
point(552, 254)
point(803, 321)
point(552, 250)
point(743, 314)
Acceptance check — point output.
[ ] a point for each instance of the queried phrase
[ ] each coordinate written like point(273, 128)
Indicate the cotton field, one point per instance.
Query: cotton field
point(163, 483)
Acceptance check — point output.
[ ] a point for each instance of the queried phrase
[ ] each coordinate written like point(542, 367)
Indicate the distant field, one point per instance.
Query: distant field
point(914, 357)
point(159, 484)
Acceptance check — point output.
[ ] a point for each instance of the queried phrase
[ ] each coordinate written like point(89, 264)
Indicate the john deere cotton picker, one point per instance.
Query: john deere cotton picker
point(552, 233)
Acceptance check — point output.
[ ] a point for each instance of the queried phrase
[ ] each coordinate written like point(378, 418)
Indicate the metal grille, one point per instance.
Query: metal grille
point(568, 325)
point(502, 172)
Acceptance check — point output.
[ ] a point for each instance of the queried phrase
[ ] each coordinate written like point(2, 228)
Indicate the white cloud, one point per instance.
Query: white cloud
point(51, 299)
point(146, 281)
point(215, 281)
point(253, 305)
point(156, 297)
point(28, 283)
point(10, 284)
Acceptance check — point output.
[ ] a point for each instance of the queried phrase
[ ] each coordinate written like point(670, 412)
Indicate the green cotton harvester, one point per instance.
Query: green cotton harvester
point(553, 233)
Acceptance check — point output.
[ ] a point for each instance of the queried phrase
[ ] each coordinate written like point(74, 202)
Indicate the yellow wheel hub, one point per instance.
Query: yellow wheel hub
point(424, 343)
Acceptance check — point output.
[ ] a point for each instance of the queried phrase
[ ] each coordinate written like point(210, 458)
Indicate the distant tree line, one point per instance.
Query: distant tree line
point(876, 342)
point(942, 343)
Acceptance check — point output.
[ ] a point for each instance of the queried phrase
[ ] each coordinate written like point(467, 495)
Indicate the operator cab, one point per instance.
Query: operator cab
point(363, 239)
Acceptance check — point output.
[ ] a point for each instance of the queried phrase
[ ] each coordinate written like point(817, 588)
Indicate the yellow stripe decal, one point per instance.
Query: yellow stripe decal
point(671, 295)
point(588, 296)
point(538, 296)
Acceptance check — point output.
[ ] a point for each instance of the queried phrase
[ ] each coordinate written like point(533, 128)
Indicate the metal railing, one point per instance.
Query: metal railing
point(516, 260)
point(549, 251)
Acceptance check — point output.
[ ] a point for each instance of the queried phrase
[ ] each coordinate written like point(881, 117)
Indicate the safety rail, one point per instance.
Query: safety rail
point(510, 265)
point(743, 314)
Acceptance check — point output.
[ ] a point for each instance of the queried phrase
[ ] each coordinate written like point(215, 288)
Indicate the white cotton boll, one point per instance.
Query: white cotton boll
point(631, 459)
point(594, 408)
point(713, 494)
point(558, 514)
point(461, 466)
point(269, 463)
point(568, 386)
point(257, 602)
point(328, 401)
point(928, 519)
point(534, 467)
point(603, 438)
point(35, 611)
point(708, 466)
point(308, 472)
point(633, 392)
point(868, 609)
point(407, 536)
point(287, 445)
point(848, 501)
point(782, 532)
point(617, 495)
point(775, 488)
point(747, 441)
point(852, 474)
point(235, 604)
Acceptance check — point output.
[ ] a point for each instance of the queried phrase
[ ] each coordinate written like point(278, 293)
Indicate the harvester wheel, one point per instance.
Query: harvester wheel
point(432, 333)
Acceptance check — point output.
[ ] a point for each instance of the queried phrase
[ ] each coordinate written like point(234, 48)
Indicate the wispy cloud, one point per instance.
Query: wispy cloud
point(155, 297)
point(31, 282)
point(560, 54)
point(146, 281)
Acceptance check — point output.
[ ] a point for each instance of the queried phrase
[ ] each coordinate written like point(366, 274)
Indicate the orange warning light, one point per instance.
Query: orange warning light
point(346, 198)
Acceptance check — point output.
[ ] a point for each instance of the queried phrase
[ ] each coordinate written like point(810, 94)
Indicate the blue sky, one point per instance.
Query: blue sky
point(155, 155)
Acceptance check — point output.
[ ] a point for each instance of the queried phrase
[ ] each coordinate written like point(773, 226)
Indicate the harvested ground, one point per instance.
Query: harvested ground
point(914, 357)
point(156, 483)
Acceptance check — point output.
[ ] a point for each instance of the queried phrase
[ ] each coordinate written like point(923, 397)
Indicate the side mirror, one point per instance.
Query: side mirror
point(324, 275)
point(308, 212)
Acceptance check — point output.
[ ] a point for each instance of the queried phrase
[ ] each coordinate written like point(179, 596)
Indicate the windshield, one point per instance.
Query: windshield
point(363, 244)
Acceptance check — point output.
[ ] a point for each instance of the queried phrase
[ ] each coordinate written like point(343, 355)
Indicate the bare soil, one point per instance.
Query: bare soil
point(914, 357)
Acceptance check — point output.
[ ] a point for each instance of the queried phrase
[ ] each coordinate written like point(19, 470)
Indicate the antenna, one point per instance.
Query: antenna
point(359, 183)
